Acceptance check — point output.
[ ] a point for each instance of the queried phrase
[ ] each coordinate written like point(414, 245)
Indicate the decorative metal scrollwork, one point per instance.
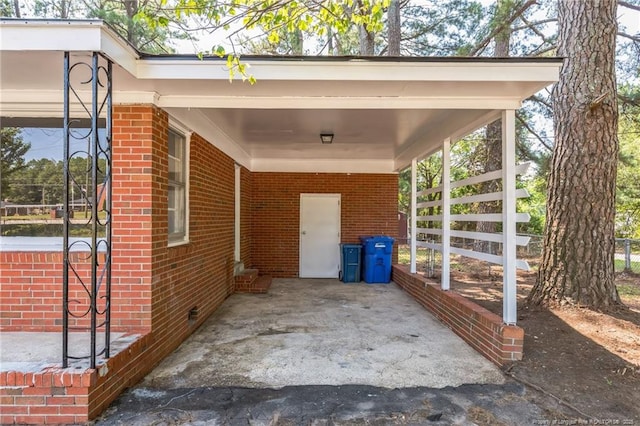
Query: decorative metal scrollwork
point(86, 290)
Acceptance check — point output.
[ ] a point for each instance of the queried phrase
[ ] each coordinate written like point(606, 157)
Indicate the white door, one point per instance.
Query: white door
point(319, 235)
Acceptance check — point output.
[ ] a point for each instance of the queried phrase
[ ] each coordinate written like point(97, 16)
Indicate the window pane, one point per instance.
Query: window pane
point(173, 148)
point(176, 209)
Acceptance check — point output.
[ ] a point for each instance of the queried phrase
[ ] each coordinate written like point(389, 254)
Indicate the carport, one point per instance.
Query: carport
point(322, 332)
point(254, 153)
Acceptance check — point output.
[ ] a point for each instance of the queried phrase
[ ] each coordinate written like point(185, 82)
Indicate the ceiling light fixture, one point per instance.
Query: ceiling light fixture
point(326, 138)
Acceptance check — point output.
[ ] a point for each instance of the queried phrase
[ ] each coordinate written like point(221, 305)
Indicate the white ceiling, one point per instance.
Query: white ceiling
point(382, 113)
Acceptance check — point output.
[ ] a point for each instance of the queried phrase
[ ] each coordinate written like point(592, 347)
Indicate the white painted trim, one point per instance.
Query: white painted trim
point(430, 191)
point(49, 103)
point(486, 257)
point(488, 217)
point(446, 214)
point(520, 169)
point(414, 213)
point(322, 165)
point(336, 102)
point(236, 212)
point(47, 244)
point(434, 246)
point(487, 196)
point(427, 204)
point(431, 231)
point(432, 217)
point(544, 73)
point(64, 35)
point(179, 128)
point(521, 240)
point(509, 218)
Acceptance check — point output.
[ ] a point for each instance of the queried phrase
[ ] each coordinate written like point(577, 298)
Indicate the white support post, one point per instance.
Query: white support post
point(414, 213)
point(236, 251)
point(509, 300)
point(446, 213)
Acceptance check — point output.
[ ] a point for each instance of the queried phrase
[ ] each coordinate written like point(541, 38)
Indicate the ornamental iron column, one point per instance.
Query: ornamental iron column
point(86, 271)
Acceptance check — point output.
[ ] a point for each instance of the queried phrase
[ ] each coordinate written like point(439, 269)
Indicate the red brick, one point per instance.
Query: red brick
point(14, 409)
point(58, 419)
point(44, 409)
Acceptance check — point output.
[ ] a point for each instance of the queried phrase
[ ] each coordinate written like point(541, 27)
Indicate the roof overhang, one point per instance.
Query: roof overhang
point(383, 111)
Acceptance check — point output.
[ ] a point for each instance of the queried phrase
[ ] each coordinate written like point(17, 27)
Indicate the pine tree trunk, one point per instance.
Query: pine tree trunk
point(393, 15)
point(578, 256)
point(367, 44)
point(492, 157)
point(366, 38)
point(297, 44)
point(492, 160)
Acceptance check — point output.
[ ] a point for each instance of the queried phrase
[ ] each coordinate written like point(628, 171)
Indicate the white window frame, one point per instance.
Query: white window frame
point(181, 238)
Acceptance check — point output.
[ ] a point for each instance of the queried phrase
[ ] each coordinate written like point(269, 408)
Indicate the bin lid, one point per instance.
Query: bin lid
point(376, 238)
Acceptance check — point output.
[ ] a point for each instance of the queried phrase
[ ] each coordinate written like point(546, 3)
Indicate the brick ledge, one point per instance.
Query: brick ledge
point(481, 329)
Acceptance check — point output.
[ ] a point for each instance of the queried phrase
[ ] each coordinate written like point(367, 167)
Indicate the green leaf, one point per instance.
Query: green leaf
point(219, 51)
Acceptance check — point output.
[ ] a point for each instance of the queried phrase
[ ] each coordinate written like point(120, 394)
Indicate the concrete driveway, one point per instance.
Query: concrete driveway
point(323, 332)
point(319, 352)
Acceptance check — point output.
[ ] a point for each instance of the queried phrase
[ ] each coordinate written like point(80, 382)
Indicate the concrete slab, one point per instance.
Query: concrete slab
point(33, 352)
point(323, 332)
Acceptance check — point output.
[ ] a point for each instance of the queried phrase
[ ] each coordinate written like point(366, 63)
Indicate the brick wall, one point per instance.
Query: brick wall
point(154, 286)
point(134, 175)
point(369, 206)
point(480, 328)
point(31, 290)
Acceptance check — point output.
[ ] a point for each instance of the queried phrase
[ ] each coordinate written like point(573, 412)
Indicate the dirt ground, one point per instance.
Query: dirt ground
point(588, 361)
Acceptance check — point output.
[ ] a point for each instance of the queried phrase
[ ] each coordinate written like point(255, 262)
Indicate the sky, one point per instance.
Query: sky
point(47, 143)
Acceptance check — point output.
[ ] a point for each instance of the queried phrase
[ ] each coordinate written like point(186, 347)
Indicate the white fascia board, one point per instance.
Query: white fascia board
point(52, 35)
point(119, 51)
point(335, 102)
point(322, 165)
point(354, 70)
point(62, 35)
point(198, 122)
point(49, 103)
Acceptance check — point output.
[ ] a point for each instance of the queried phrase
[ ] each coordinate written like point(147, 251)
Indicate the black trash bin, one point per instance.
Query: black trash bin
point(350, 255)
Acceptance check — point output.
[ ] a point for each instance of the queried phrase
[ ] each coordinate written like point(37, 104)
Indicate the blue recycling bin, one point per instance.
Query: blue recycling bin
point(350, 255)
point(377, 251)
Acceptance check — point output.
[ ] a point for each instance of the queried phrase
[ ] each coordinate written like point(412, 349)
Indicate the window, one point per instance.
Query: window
point(177, 203)
point(32, 178)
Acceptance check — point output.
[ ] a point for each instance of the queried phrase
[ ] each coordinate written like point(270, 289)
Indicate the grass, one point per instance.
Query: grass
point(404, 257)
point(628, 290)
point(635, 266)
point(46, 216)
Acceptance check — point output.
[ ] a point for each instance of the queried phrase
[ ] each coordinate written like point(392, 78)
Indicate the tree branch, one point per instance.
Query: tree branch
point(532, 25)
point(543, 51)
point(627, 100)
point(480, 46)
point(628, 5)
point(635, 39)
point(540, 100)
point(533, 132)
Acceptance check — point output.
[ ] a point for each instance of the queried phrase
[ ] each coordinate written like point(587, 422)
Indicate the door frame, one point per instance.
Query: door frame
point(338, 197)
